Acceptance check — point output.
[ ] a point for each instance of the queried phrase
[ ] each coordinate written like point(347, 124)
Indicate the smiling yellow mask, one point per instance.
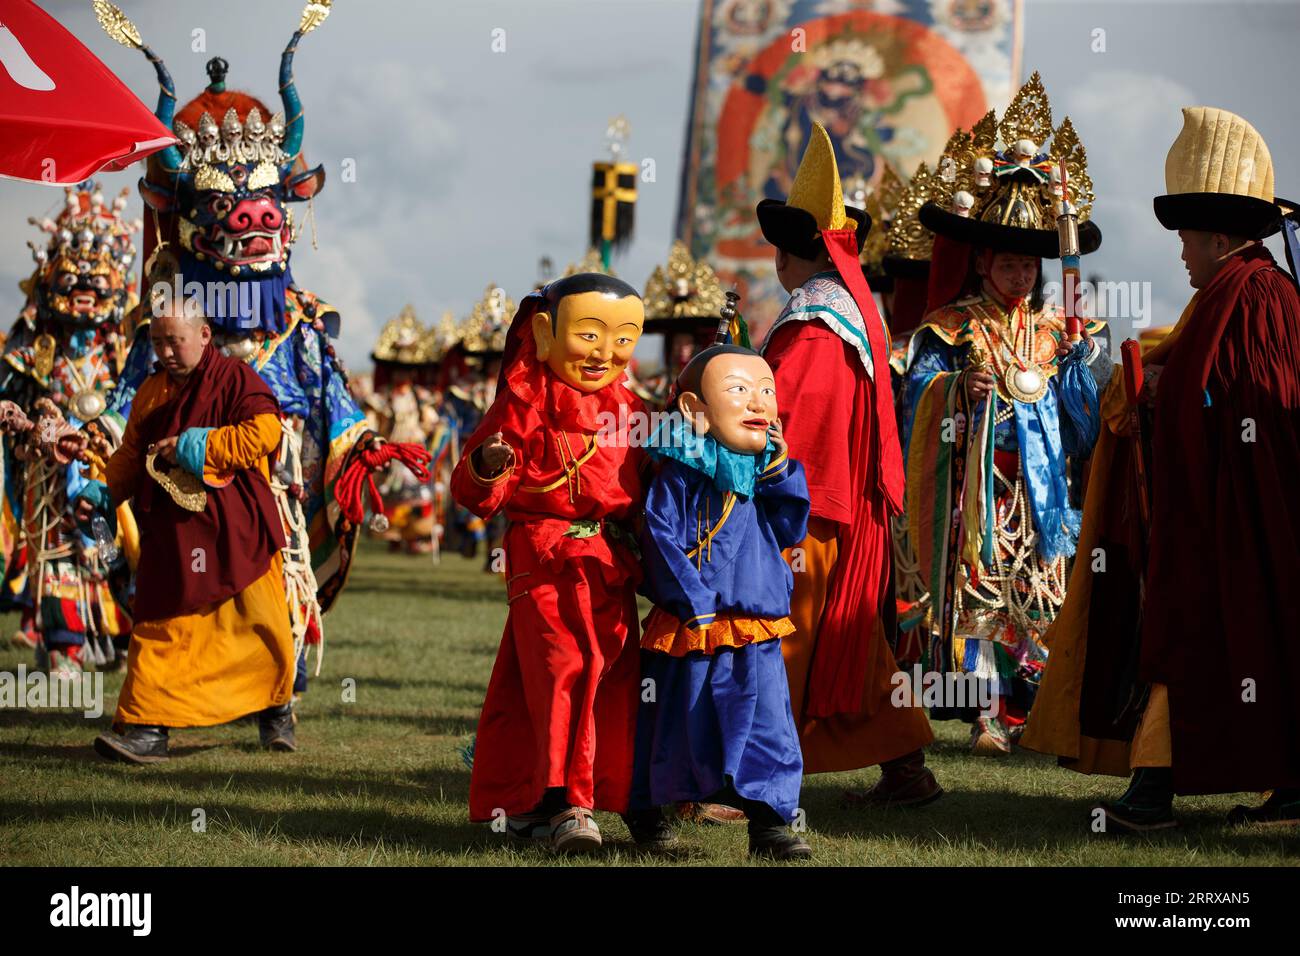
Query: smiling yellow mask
point(586, 338)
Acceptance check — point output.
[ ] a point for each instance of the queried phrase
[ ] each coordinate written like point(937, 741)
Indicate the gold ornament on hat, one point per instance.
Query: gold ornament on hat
point(684, 289)
point(447, 333)
point(908, 239)
point(977, 178)
point(489, 322)
point(405, 340)
point(816, 187)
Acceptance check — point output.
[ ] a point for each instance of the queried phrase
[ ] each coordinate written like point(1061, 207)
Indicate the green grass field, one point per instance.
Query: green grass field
point(381, 780)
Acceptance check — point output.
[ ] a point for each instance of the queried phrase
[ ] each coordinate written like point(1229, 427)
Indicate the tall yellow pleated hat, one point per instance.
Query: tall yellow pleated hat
point(1219, 177)
point(816, 202)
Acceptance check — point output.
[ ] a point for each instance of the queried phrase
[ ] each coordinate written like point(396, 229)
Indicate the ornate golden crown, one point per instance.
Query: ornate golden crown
point(406, 340)
point(908, 239)
point(489, 322)
point(863, 55)
point(1018, 184)
point(685, 288)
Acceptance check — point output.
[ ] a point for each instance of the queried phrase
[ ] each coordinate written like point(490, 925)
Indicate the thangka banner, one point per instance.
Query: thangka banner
point(889, 79)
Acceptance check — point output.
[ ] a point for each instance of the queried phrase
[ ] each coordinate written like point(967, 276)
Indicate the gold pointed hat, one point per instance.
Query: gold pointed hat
point(815, 203)
point(1219, 177)
point(682, 295)
point(1007, 197)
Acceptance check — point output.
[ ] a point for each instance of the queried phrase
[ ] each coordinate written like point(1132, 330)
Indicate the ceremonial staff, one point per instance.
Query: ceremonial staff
point(1067, 231)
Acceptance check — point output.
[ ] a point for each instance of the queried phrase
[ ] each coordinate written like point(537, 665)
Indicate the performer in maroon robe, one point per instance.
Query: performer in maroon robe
point(1218, 643)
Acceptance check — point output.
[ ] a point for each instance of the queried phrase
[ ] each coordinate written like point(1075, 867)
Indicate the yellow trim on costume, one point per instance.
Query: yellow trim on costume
point(488, 482)
point(666, 634)
point(269, 346)
point(728, 502)
point(775, 466)
point(570, 470)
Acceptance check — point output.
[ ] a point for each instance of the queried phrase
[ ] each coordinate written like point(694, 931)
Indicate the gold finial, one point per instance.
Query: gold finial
point(116, 24)
point(313, 15)
point(683, 289)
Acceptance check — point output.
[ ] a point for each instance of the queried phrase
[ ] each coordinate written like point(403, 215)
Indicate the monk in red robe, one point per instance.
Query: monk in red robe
point(829, 349)
point(212, 641)
point(1211, 702)
point(555, 738)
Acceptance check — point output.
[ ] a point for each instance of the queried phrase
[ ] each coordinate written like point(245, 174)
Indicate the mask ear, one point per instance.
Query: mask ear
point(543, 337)
point(158, 199)
point(304, 185)
point(693, 410)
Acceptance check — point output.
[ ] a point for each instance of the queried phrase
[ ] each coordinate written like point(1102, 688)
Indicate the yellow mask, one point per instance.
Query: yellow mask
point(591, 340)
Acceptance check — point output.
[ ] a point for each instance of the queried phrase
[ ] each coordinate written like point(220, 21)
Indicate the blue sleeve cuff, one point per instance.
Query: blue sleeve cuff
point(192, 450)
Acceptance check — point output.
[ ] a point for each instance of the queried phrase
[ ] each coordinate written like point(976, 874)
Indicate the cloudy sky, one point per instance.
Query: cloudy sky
point(472, 164)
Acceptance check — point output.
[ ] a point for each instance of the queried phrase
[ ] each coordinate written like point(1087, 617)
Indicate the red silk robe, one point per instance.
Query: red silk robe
point(828, 413)
point(561, 704)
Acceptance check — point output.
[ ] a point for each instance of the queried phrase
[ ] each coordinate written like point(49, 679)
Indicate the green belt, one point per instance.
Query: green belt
point(590, 527)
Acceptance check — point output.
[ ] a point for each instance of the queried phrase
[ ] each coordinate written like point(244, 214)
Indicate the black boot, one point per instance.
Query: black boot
point(769, 836)
point(275, 727)
point(777, 843)
point(1281, 809)
point(140, 744)
point(649, 829)
point(1148, 804)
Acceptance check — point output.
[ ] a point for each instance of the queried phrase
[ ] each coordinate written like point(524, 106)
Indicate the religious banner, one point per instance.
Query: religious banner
point(889, 79)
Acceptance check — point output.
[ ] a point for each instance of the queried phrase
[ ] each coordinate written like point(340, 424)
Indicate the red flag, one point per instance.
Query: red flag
point(63, 115)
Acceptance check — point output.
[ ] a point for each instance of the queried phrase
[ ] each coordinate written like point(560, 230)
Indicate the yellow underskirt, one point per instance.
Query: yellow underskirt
point(668, 635)
point(220, 663)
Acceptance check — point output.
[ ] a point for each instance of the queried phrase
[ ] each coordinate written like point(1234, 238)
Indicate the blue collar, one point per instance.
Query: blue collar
point(730, 470)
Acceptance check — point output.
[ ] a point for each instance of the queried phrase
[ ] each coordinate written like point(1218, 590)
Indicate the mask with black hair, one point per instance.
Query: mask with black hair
point(586, 327)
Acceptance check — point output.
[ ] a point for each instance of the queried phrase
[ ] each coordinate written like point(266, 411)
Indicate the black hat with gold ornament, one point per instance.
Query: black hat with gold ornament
point(683, 295)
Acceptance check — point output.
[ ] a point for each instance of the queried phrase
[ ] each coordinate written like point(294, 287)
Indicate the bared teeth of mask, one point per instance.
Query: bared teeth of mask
point(227, 245)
